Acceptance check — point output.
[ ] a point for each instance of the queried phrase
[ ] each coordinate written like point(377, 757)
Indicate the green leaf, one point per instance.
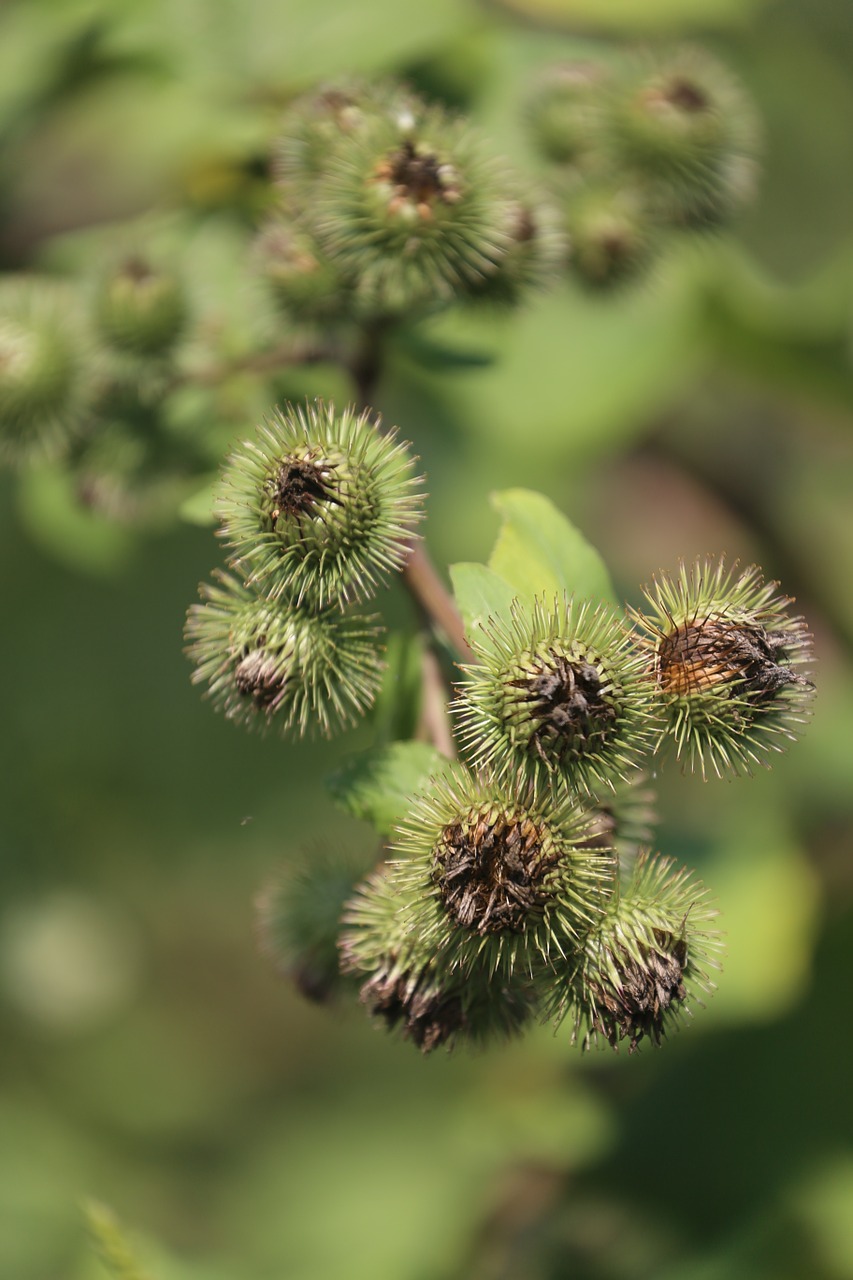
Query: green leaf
point(440, 356)
point(198, 507)
point(628, 15)
point(538, 550)
point(575, 377)
point(769, 899)
point(56, 520)
point(480, 593)
point(114, 1249)
point(377, 785)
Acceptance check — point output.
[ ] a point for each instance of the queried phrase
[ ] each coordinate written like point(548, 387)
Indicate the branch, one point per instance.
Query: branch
point(435, 721)
point(270, 361)
point(424, 584)
point(420, 576)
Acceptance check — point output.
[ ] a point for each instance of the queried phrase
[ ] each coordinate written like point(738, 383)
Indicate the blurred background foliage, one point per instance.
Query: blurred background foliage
point(150, 1057)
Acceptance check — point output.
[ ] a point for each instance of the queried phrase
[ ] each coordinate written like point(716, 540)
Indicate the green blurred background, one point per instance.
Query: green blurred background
point(150, 1057)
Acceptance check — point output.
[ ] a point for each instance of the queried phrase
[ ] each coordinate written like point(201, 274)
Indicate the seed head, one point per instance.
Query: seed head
point(320, 506)
point(273, 663)
point(537, 251)
point(725, 654)
point(328, 120)
point(139, 310)
point(301, 280)
point(415, 983)
point(613, 230)
point(564, 111)
point(46, 371)
point(559, 694)
point(641, 964)
point(489, 881)
point(682, 126)
point(432, 1010)
point(415, 212)
point(299, 919)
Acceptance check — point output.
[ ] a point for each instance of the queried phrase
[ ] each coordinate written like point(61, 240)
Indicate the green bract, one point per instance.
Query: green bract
point(559, 694)
point(624, 815)
point(46, 372)
point(320, 506)
point(273, 663)
point(638, 967)
point(724, 651)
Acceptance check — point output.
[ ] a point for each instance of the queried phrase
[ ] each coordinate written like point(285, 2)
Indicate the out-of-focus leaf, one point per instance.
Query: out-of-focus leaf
point(117, 1253)
point(57, 522)
point(462, 1125)
point(824, 1202)
point(575, 377)
point(799, 76)
point(377, 785)
point(768, 898)
point(198, 507)
point(440, 356)
point(480, 593)
point(786, 336)
point(629, 15)
point(290, 45)
point(121, 1256)
point(539, 550)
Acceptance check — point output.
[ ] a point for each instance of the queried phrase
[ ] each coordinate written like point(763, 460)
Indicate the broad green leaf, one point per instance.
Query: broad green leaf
point(377, 785)
point(480, 593)
point(539, 550)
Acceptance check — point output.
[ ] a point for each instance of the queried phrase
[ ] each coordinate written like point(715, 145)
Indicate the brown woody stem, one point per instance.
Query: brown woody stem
point(420, 576)
point(427, 589)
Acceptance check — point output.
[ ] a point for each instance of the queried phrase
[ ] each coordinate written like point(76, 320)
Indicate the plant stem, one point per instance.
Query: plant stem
point(435, 721)
point(420, 576)
point(260, 362)
point(427, 589)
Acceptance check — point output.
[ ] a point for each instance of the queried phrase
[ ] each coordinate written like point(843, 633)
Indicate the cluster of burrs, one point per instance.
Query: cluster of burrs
point(316, 510)
point(388, 207)
point(519, 887)
point(517, 884)
point(84, 371)
point(384, 208)
point(639, 148)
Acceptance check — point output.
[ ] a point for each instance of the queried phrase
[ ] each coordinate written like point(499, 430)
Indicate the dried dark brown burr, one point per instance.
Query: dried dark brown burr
point(491, 870)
